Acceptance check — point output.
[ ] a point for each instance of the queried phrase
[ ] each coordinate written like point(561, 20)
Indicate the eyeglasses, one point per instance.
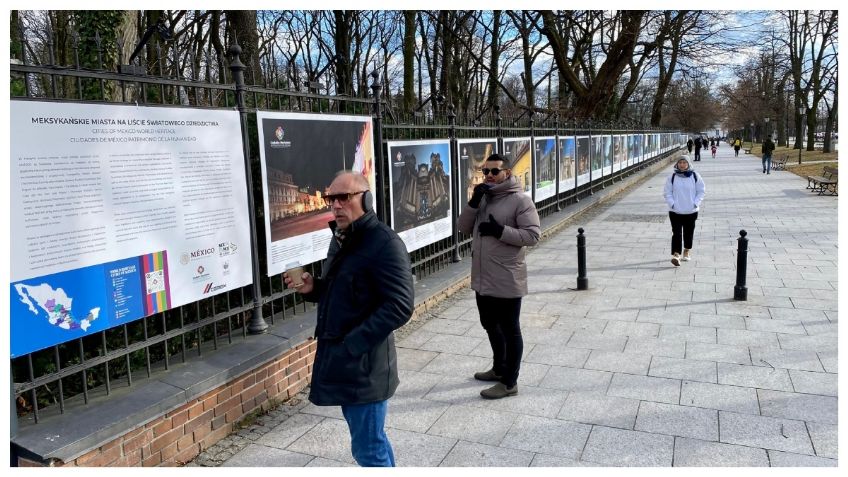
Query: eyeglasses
point(343, 198)
point(495, 171)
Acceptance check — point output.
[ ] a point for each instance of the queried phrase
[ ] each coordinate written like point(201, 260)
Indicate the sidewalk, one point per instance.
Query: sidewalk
point(655, 365)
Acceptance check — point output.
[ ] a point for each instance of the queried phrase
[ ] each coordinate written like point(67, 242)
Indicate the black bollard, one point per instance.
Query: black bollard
point(740, 291)
point(582, 279)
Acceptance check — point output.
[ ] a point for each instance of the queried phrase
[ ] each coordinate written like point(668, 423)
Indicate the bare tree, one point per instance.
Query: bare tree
point(593, 93)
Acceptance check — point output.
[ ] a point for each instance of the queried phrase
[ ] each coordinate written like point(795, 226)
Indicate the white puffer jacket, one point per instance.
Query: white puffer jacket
point(684, 194)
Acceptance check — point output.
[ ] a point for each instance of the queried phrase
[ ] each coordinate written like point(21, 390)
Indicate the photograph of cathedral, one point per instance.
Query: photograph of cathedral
point(420, 183)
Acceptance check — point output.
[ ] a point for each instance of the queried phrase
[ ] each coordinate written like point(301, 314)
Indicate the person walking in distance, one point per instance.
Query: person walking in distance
point(683, 192)
point(713, 148)
point(698, 144)
point(502, 220)
point(737, 144)
point(364, 294)
point(768, 148)
point(689, 144)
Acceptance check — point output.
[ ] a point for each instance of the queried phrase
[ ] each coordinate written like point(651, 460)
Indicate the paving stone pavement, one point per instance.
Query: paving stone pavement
point(654, 365)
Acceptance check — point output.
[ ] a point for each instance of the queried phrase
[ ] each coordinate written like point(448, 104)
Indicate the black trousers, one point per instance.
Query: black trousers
point(697, 153)
point(682, 231)
point(499, 317)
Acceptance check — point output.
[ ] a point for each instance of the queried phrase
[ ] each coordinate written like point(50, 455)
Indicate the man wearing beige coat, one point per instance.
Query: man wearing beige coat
point(503, 220)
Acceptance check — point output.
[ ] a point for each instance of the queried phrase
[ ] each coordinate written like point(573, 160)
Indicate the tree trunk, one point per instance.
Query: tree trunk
point(243, 24)
point(127, 32)
point(831, 119)
point(215, 40)
point(495, 52)
point(151, 52)
point(446, 24)
point(409, 60)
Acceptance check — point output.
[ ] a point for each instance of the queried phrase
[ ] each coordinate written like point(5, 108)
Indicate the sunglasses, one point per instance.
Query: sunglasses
point(343, 198)
point(495, 171)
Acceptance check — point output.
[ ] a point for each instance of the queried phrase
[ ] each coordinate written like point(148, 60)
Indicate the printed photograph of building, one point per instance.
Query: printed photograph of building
point(518, 152)
point(302, 157)
point(597, 155)
point(472, 155)
point(420, 183)
point(584, 151)
point(567, 156)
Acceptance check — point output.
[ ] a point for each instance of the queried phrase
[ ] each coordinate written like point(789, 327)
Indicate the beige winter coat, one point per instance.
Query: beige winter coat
point(498, 268)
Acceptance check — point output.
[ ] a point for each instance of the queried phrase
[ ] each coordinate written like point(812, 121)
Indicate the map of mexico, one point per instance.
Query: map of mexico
point(56, 304)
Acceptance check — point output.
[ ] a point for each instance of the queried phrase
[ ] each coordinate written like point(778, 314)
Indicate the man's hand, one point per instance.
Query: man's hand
point(491, 228)
point(477, 196)
point(308, 283)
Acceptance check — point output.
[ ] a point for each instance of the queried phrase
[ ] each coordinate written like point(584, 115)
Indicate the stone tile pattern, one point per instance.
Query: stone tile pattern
point(654, 365)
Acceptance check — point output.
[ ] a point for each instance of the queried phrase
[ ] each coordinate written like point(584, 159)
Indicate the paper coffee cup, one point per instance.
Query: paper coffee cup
point(296, 276)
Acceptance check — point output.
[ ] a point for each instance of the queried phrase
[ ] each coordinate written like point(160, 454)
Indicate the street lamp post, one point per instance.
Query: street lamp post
point(766, 119)
point(801, 134)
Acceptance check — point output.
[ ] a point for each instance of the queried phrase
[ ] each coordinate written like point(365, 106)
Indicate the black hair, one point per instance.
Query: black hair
point(498, 157)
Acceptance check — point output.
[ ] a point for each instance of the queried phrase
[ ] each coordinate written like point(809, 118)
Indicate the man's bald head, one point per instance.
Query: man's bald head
point(352, 178)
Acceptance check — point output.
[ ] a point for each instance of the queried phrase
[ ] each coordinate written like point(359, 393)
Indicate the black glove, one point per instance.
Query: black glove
point(477, 196)
point(492, 227)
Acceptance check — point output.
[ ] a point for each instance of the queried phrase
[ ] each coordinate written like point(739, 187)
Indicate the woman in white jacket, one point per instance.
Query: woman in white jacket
point(683, 192)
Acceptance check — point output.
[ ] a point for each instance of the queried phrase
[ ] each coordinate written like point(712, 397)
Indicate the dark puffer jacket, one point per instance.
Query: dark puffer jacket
point(365, 294)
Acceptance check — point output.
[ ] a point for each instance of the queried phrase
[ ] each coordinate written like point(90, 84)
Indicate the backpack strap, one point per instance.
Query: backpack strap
point(674, 174)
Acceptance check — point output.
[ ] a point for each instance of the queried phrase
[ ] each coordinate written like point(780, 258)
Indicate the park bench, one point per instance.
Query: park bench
point(825, 182)
point(779, 163)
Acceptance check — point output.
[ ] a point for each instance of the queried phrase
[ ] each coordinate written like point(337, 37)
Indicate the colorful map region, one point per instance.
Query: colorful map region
point(53, 309)
point(56, 304)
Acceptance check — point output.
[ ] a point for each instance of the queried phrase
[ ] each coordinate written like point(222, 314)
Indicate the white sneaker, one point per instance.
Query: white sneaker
point(675, 260)
point(686, 257)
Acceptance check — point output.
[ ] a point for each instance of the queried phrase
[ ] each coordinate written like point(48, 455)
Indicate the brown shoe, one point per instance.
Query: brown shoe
point(498, 391)
point(487, 376)
point(675, 259)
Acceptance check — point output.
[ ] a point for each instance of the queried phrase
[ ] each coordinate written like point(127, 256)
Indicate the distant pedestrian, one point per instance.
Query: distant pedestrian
point(698, 144)
point(689, 144)
point(713, 150)
point(683, 192)
point(502, 220)
point(768, 148)
point(363, 295)
point(737, 144)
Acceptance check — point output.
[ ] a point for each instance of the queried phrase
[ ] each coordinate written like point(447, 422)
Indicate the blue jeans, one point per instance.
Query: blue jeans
point(368, 441)
point(767, 162)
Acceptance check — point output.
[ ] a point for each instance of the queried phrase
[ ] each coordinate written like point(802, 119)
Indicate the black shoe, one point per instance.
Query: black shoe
point(764, 171)
point(487, 376)
point(499, 391)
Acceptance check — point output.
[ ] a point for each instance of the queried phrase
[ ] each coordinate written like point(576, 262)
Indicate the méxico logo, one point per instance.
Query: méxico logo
point(279, 133)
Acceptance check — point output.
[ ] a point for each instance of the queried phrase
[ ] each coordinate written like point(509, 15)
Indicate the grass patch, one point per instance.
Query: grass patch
point(806, 156)
point(805, 170)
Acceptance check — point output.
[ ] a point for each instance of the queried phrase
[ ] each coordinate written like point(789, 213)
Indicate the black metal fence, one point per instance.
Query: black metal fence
point(52, 380)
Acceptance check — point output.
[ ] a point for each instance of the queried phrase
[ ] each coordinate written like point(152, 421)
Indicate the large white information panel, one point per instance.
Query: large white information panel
point(119, 212)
